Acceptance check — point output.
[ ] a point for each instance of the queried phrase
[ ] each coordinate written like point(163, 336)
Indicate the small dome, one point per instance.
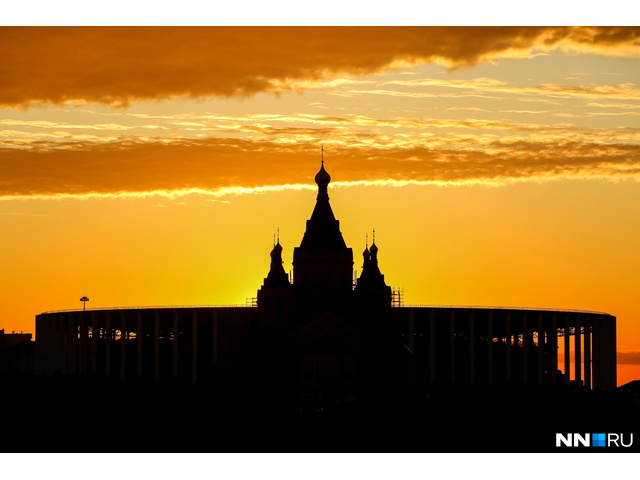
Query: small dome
point(277, 249)
point(322, 176)
point(366, 253)
point(374, 248)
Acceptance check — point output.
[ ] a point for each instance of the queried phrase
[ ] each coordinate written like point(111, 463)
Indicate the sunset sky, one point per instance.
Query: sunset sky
point(499, 166)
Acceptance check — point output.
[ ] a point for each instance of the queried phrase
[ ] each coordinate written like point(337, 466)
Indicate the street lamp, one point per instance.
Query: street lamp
point(84, 301)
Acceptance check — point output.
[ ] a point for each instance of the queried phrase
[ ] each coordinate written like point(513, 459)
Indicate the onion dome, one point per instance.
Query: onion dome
point(277, 277)
point(277, 250)
point(323, 177)
point(374, 250)
point(366, 256)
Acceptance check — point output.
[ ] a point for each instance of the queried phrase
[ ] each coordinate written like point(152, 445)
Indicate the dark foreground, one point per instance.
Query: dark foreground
point(82, 415)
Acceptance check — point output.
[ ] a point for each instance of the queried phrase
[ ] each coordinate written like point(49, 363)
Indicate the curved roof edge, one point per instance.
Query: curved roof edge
point(152, 307)
point(531, 309)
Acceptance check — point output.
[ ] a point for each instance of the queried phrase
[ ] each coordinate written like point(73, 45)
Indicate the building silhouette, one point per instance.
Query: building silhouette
point(320, 339)
point(16, 352)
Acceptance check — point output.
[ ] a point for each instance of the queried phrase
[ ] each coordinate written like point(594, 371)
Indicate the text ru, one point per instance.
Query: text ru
point(593, 440)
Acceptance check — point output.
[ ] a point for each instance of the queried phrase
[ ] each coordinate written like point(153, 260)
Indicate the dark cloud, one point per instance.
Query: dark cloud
point(118, 65)
point(135, 166)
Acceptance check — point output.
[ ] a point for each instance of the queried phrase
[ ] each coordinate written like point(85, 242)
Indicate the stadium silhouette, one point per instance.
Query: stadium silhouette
point(328, 361)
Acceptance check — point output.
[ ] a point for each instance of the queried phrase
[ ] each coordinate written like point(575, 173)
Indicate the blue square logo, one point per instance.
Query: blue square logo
point(598, 440)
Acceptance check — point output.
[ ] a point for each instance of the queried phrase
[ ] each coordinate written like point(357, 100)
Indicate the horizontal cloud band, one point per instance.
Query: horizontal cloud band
point(119, 65)
point(230, 165)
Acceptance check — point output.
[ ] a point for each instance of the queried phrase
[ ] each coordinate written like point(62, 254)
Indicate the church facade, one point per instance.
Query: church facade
point(323, 339)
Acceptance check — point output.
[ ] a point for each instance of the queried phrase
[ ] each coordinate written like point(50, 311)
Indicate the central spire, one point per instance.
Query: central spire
point(323, 230)
point(323, 256)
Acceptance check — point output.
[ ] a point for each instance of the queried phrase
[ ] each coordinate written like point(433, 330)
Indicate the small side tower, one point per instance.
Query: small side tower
point(277, 277)
point(371, 287)
point(275, 297)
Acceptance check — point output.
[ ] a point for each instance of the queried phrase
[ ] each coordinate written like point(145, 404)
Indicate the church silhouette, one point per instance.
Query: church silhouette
point(341, 340)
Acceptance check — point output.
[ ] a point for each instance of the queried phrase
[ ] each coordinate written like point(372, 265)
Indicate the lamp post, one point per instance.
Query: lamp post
point(84, 301)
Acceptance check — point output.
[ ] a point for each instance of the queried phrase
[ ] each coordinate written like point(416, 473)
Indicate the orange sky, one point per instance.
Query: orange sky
point(152, 166)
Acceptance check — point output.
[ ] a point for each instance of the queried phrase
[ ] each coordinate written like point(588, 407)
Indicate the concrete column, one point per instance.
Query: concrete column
point(41, 349)
point(70, 343)
point(194, 348)
point(45, 343)
point(578, 353)
point(472, 347)
point(65, 344)
point(526, 339)
point(595, 352)
point(73, 344)
point(48, 356)
point(452, 347)
point(215, 338)
point(123, 346)
point(61, 341)
point(95, 337)
point(553, 347)
point(43, 346)
point(176, 341)
point(507, 327)
point(48, 345)
point(490, 348)
point(567, 349)
point(604, 352)
point(156, 345)
point(411, 331)
point(541, 345)
point(432, 347)
point(587, 351)
point(139, 339)
point(83, 344)
point(107, 344)
point(48, 349)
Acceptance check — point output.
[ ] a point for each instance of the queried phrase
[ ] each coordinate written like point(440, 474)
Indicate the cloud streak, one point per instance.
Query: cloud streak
point(225, 166)
point(490, 87)
point(119, 65)
point(400, 132)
